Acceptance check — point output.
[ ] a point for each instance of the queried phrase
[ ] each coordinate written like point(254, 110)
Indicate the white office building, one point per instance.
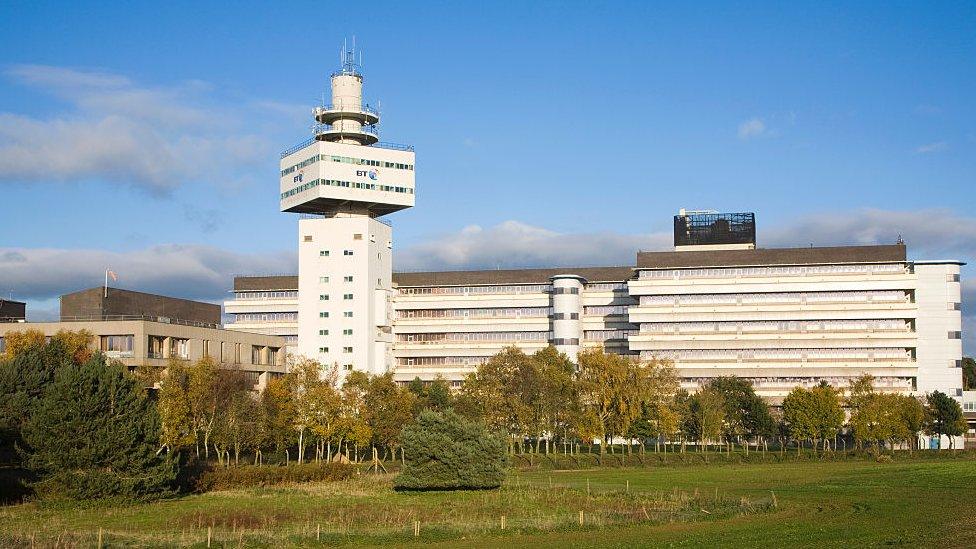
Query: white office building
point(714, 306)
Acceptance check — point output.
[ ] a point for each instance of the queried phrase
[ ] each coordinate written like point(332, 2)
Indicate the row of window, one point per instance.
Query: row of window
point(347, 332)
point(346, 160)
point(490, 312)
point(326, 349)
point(346, 184)
point(605, 309)
point(810, 381)
point(737, 272)
point(880, 353)
point(875, 296)
point(277, 294)
point(773, 326)
point(325, 314)
point(266, 317)
point(604, 335)
point(442, 360)
point(477, 290)
point(474, 336)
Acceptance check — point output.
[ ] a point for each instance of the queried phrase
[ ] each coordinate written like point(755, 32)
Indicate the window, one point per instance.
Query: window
point(347, 349)
point(324, 314)
point(238, 354)
point(179, 348)
point(117, 346)
point(347, 314)
point(206, 347)
point(155, 348)
point(346, 296)
point(307, 238)
point(357, 236)
point(347, 252)
point(347, 367)
point(347, 332)
point(955, 335)
point(323, 253)
point(347, 278)
point(257, 355)
point(955, 306)
point(323, 349)
point(952, 278)
point(323, 297)
point(323, 332)
point(324, 279)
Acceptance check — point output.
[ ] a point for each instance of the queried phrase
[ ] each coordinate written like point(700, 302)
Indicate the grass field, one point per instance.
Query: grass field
point(929, 502)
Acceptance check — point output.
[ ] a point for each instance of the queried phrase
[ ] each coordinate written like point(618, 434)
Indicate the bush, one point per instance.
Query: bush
point(241, 476)
point(446, 452)
point(95, 434)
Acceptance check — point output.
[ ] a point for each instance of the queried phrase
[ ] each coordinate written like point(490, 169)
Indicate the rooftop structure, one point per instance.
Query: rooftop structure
point(104, 303)
point(12, 311)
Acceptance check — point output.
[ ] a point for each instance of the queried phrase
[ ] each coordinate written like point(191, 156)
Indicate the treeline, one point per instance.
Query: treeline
point(84, 426)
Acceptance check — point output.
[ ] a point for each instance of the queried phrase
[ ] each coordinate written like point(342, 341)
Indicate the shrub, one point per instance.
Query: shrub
point(241, 476)
point(95, 434)
point(446, 452)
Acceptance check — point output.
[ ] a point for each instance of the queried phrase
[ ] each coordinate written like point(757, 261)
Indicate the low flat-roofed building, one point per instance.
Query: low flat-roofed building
point(152, 343)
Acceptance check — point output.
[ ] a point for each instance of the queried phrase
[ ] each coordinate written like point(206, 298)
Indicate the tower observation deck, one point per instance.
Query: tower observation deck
point(343, 168)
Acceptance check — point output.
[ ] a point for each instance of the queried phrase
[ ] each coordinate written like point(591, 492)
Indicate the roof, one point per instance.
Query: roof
point(102, 302)
point(772, 256)
point(511, 276)
point(258, 283)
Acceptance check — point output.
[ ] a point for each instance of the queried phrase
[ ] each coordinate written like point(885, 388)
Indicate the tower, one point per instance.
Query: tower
point(343, 180)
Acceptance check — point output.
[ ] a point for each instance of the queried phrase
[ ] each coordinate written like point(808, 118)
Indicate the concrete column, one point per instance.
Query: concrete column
point(567, 308)
point(167, 346)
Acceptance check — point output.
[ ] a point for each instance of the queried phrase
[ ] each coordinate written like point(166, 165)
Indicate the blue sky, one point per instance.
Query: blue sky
point(145, 138)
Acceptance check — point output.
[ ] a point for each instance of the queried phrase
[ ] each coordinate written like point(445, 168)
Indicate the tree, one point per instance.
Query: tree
point(944, 416)
point(746, 413)
point(176, 409)
point(558, 400)
point(306, 392)
point(968, 374)
point(813, 414)
point(706, 415)
point(388, 407)
point(95, 434)
point(603, 384)
point(493, 393)
point(27, 367)
point(444, 451)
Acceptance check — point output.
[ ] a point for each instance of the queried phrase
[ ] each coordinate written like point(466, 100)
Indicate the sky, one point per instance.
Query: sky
point(145, 139)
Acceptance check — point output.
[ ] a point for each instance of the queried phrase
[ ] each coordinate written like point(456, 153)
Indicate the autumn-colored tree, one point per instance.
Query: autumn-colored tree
point(388, 408)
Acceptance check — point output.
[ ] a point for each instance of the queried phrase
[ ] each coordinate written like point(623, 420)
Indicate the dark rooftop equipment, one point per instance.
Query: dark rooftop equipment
point(12, 311)
point(704, 228)
point(117, 304)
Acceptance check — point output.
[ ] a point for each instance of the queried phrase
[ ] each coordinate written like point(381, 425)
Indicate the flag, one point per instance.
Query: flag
point(112, 274)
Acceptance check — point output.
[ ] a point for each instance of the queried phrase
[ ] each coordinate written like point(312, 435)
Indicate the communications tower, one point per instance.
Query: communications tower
point(343, 180)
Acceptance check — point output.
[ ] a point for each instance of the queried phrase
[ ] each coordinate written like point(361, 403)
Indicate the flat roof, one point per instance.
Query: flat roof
point(259, 283)
point(889, 253)
point(511, 276)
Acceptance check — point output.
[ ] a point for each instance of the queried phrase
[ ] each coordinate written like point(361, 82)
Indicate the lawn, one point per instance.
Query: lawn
point(856, 502)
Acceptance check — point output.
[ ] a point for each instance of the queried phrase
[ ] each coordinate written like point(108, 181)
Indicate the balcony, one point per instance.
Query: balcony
point(326, 114)
point(368, 133)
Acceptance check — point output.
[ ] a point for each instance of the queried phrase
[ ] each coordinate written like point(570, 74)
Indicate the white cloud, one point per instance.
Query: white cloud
point(752, 128)
point(114, 130)
point(189, 271)
point(515, 244)
point(929, 148)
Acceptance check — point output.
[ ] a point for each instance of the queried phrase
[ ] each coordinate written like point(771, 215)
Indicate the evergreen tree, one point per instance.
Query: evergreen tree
point(443, 451)
point(944, 416)
point(95, 434)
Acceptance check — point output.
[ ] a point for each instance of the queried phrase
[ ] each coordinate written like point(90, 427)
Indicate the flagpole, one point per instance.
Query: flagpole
point(106, 282)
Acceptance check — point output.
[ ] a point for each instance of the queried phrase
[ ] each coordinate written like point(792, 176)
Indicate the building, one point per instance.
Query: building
point(117, 304)
point(127, 326)
point(780, 317)
point(12, 311)
point(342, 181)
point(716, 305)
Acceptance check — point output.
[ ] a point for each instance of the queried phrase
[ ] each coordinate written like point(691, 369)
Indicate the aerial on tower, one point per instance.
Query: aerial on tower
point(343, 168)
point(347, 119)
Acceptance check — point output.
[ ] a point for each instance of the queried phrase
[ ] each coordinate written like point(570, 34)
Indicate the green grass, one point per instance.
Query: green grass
point(856, 502)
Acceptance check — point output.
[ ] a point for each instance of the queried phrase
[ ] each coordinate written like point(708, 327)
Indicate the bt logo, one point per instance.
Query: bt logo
point(368, 173)
point(297, 178)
